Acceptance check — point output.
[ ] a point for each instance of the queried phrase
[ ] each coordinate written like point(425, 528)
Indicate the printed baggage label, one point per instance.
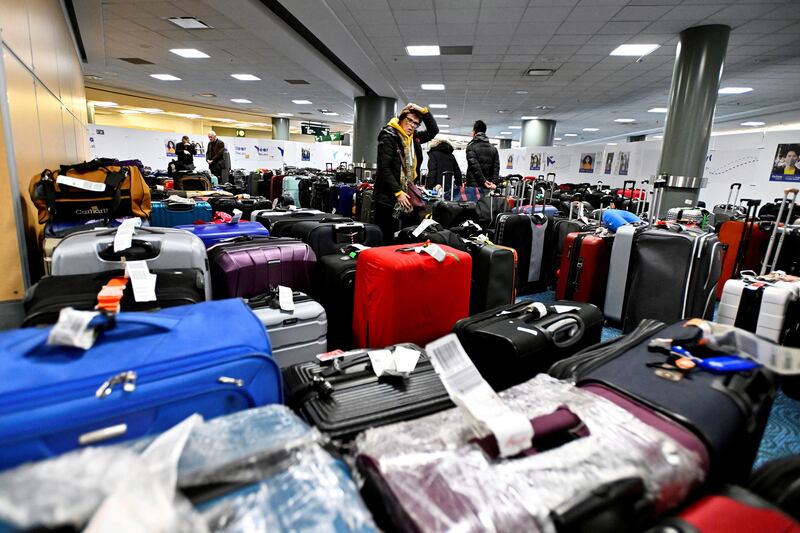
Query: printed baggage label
point(142, 281)
point(123, 239)
point(425, 224)
point(435, 251)
point(400, 362)
point(285, 298)
point(72, 329)
point(237, 216)
point(80, 184)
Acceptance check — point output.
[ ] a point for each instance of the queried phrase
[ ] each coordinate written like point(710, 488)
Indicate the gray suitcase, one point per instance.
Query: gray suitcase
point(298, 336)
point(92, 251)
point(614, 306)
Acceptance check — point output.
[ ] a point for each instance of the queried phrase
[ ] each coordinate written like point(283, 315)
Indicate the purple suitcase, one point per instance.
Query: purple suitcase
point(253, 265)
point(212, 234)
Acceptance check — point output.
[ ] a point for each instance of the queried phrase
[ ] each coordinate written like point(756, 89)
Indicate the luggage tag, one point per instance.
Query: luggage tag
point(123, 238)
point(110, 296)
point(237, 216)
point(285, 299)
point(425, 224)
point(78, 183)
point(72, 329)
point(142, 281)
point(401, 362)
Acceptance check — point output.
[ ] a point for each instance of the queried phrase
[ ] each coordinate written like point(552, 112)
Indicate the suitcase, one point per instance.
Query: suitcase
point(564, 226)
point(451, 214)
point(192, 182)
point(282, 226)
point(334, 287)
point(212, 234)
point(145, 373)
point(745, 243)
point(291, 187)
point(512, 343)
point(364, 209)
point(345, 195)
point(305, 193)
point(393, 286)
point(778, 482)
point(696, 215)
point(163, 248)
point(245, 205)
point(345, 399)
point(494, 270)
point(248, 266)
point(548, 210)
point(434, 233)
point(617, 285)
point(768, 308)
point(790, 261)
point(171, 214)
point(49, 295)
point(584, 268)
point(321, 196)
point(530, 236)
point(329, 237)
point(276, 187)
point(266, 217)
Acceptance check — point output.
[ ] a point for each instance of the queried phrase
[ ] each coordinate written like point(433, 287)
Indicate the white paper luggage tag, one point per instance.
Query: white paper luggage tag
point(400, 362)
point(72, 329)
point(423, 226)
point(175, 199)
point(237, 216)
point(123, 239)
point(435, 251)
point(80, 184)
point(285, 299)
point(142, 281)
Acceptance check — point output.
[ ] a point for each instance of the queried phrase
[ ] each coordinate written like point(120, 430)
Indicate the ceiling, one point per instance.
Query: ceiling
point(589, 87)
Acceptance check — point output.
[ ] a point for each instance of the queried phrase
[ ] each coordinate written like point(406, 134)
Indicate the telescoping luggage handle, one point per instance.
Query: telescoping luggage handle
point(641, 202)
point(658, 194)
point(452, 176)
point(789, 191)
point(728, 205)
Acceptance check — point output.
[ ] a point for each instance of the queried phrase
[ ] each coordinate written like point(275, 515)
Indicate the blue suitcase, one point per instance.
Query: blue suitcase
point(145, 373)
point(344, 204)
point(171, 214)
point(548, 210)
point(212, 234)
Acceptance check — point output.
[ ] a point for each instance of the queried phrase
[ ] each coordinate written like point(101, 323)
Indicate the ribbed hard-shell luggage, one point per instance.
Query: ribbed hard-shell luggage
point(329, 237)
point(494, 273)
point(145, 373)
point(695, 215)
point(394, 284)
point(163, 248)
point(249, 266)
point(344, 399)
point(767, 307)
point(212, 234)
point(170, 214)
point(52, 293)
point(296, 335)
point(583, 273)
point(334, 287)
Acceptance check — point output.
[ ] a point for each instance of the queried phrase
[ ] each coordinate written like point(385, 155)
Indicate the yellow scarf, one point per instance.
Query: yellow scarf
point(408, 142)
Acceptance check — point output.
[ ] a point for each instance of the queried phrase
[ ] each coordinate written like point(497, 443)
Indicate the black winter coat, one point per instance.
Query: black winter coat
point(390, 159)
point(483, 161)
point(441, 159)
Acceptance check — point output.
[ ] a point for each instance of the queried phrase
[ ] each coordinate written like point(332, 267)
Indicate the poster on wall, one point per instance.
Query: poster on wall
point(536, 161)
point(169, 147)
point(305, 154)
point(550, 160)
point(200, 150)
point(510, 162)
point(587, 164)
point(784, 166)
point(609, 163)
point(624, 159)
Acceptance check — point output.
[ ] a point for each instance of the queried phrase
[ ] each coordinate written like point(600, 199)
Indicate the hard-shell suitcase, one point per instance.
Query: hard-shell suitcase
point(50, 294)
point(334, 287)
point(345, 199)
point(245, 205)
point(212, 234)
point(163, 248)
point(583, 273)
point(321, 196)
point(394, 284)
point(512, 343)
point(695, 215)
point(617, 285)
point(494, 270)
point(276, 187)
point(249, 266)
point(530, 236)
point(344, 399)
point(267, 217)
point(170, 214)
point(145, 373)
point(291, 187)
point(768, 308)
point(548, 210)
point(329, 237)
point(192, 182)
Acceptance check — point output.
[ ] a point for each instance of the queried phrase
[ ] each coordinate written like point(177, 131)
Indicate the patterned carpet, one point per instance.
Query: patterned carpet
point(782, 435)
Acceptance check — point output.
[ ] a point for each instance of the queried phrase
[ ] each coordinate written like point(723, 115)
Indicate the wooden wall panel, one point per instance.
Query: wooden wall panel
point(15, 30)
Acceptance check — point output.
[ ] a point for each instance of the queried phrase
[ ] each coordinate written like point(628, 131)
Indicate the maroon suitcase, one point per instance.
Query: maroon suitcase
point(275, 187)
point(584, 268)
point(248, 267)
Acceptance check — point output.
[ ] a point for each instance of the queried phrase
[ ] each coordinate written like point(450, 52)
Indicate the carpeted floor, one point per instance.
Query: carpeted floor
point(782, 435)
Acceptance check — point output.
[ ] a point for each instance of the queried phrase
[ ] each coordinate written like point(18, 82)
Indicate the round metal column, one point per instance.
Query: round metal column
point(538, 132)
point(280, 129)
point(371, 114)
point(693, 95)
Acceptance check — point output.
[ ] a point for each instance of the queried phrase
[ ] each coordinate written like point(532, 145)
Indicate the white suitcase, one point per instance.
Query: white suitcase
point(763, 307)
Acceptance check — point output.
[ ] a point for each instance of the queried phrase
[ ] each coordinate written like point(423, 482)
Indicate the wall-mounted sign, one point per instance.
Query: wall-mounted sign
point(335, 136)
point(315, 129)
point(241, 133)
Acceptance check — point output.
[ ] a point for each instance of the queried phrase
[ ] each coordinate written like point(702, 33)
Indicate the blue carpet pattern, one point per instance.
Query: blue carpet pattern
point(782, 435)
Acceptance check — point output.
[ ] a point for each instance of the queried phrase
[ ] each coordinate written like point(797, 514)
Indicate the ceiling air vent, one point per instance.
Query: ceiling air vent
point(455, 50)
point(297, 82)
point(136, 61)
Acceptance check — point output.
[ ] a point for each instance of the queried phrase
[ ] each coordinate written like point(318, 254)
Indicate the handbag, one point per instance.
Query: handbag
point(415, 196)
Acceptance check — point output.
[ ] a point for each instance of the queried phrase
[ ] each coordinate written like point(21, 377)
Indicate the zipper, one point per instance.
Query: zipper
point(576, 264)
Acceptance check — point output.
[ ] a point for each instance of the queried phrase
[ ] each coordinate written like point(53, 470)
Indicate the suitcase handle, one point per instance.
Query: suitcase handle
point(139, 250)
point(179, 207)
point(564, 331)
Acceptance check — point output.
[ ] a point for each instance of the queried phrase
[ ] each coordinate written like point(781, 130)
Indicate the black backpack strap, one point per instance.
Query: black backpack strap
point(113, 181)
point(47, 190)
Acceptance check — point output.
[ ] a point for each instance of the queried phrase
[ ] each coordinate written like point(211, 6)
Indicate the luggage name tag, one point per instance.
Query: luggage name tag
point(237, 216)
point(72, 329)
point(285, 299)
point(423, 226)
point(123, 238)
point(142, 281)
point(78, 183)
point(110, 296)
point(435, 251)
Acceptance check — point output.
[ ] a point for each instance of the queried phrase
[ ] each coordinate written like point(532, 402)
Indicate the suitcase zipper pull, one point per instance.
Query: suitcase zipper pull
point(127, 379)
point(231, 381)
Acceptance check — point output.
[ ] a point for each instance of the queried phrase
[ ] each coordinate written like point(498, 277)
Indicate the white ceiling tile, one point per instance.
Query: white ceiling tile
point(622, 28)
point(457, 16)
point(580, 27)
point(500, 15)
point(642, 13)
point(399, 5)
point(495, 28)
point(546, 14)
point(413, 16)
point(585, 11)
point(465, 31)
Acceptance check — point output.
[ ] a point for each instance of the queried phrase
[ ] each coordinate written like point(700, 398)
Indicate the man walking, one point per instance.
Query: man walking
point(483, 161)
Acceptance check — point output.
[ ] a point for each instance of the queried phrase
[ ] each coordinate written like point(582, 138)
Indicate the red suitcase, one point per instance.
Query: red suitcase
point(275, 187)
point(583, 273)
point(405, 296)
point(744, 252)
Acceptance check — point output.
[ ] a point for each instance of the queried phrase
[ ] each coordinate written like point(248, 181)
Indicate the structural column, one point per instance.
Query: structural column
point(693, 95)
point(280, 129)
point(538, 132)
point(505, 143)
point(371, 114)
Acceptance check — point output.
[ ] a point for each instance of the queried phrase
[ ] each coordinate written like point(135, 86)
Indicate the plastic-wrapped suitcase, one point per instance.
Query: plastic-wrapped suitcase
point(163, 248)
point(583, 273)
point(393, 283)
point(512, 343)
point(329, 237)
point(494, 269)
point(296, 335)
point(695, 215)
point(212, 234)
point(145, 372)
point(344, 399)
point(49, 295)
point(170, 214)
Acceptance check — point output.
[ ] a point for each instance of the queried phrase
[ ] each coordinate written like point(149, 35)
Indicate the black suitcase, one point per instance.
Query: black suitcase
point(434, 233)
point(282, 226)
point(321, 196)
point(329, 237)
point(245, 205)
point(450, 214)
point(45, 300)
point(348, 398)
point(335, 288)
point(493, 276)
point(521, 232)
point(778, 482)
point(511, 344)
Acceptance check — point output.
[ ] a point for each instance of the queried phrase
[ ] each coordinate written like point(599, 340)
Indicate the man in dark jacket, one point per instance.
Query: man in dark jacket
point(185, 151)
point(440, 160)
point(483, 162)
point(399, 162)
point(214, 154)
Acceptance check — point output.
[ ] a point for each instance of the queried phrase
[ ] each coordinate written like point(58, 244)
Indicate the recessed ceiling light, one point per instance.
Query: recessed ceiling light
point(165, 77)
point(423, 50)
point(591, 129)
point(540, 72)
point(285, 115)
point(556, 138)
point(438, 106)
point(441, 116)
point(245, 77)
point(529, 118)
point(514, 127)
point(520, 92)
point(634, 50)
point(207, 95)
point(735, 90)
point(105, 104)
point(752, 123)
point(151, 110)
point(611, 144)
point(130, 111)
point(262, 124)
point(331, 114)
point(658, 110)
point(505, 133)
point(444, 126)
point(301, 102)
point(658, 136)
point(228, 120)
point(189, 23)
point(624, 120)
point(432, 87)
point(502, 111)
point(191, 53)
point(570, 135)
point(241, 101)
point(188, 115)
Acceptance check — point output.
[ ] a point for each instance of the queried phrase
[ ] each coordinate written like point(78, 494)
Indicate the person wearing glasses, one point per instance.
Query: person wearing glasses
point(399, 162)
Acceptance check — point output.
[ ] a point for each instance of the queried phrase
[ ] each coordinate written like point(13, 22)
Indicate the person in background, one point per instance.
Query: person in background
point(399, 162)
point(214, 154)
point(440, 160)
point(483, 161)
point(186, 152)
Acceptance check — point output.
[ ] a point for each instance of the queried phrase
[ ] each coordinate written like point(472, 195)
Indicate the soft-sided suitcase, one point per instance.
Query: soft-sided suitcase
point(530, 236)
point(276, 187)
point(450, 214)
point(170, 214)
point(145, 373)
point(434, 233)
point(345, 199)
point(52, 293)
point(494, 272)
point(249, 266)
point(163, 248)
point(512, 343)
point(329, 237)
point(245, 205)
point(296, 336)
point(282, 226)
point(778, 482)
point(212, 234)
point(583, 273)
point(394, 284)
point(291, 187)
point(344, 399)
point(321, 195)
point(267, 217)
point(334, 287)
